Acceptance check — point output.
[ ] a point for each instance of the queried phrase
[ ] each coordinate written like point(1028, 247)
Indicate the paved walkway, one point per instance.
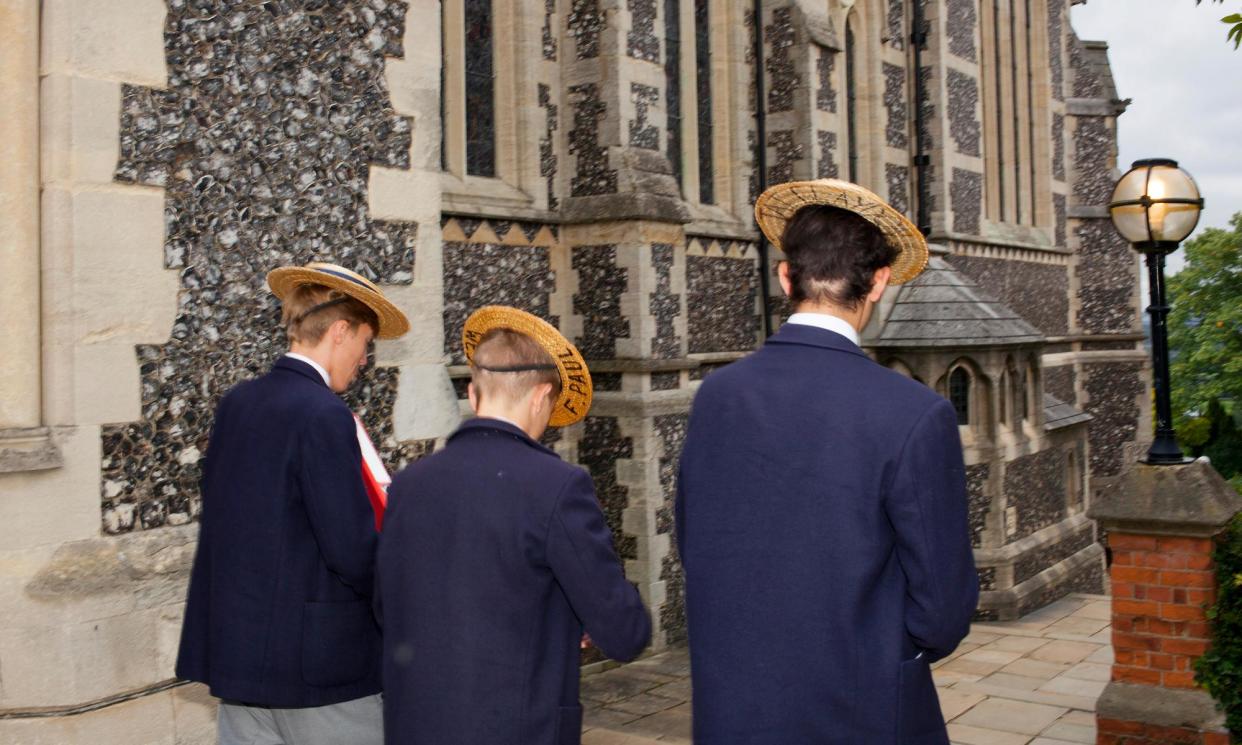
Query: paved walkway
point(1033, 681)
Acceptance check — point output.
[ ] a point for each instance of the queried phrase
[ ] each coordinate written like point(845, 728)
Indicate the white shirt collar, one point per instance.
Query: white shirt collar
point(828, 323)
point(318, 367)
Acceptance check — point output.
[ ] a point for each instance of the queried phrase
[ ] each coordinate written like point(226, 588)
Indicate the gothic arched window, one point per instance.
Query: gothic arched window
point(959, 394)
point(480, 89)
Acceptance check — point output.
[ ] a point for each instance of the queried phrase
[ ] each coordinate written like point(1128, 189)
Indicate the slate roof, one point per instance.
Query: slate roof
point(944, 308)
point(1058, 414)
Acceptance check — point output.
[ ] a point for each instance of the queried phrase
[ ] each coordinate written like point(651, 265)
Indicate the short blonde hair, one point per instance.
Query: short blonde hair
point(309, 310)
point(502, 348)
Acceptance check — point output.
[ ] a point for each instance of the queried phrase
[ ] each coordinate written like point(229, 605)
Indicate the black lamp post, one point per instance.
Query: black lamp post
point(1155, 206)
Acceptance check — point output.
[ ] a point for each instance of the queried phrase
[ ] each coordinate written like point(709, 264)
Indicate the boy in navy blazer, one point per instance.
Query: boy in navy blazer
point(278, 620)
point(821, 511)
point(495, 556)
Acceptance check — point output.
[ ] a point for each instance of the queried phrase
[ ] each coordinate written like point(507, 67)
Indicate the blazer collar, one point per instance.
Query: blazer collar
point(812, 336)
point(299, 367)
point(487, 426)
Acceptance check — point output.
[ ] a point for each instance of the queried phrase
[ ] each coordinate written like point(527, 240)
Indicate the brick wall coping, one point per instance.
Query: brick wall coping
point(1186, 500)
point(1164, 707)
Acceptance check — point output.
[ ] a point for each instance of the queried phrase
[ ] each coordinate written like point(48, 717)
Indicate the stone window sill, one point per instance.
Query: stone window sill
point(28, 449)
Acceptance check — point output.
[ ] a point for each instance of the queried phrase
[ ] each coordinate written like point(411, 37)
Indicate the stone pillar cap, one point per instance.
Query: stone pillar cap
point(1186, 500)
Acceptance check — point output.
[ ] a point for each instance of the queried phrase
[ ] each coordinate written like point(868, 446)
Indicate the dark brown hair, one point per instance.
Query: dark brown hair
point(833, 255)
point(309, 310)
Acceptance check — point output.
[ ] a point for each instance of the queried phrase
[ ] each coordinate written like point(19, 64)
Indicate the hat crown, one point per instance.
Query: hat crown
point(337, 270)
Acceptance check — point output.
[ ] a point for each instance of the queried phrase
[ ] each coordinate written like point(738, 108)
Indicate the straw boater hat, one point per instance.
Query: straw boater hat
point(576, 390)
point(392, 322)
point(776, 206)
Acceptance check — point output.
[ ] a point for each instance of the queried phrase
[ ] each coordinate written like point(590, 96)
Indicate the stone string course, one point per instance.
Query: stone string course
point(261, 140)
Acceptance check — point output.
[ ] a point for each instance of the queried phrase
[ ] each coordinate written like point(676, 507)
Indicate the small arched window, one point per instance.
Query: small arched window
point(959, 394)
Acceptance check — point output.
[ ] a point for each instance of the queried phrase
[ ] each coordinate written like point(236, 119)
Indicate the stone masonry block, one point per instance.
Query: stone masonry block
point(149, 720)
point(80, 126)
point(115, 40)
point(56, 505)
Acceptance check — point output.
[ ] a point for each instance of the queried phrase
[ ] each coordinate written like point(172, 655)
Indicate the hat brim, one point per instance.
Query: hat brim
point(776, 206)
point(576, 388)
point(392, 322)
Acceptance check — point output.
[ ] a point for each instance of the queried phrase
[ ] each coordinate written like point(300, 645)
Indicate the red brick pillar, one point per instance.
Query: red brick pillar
point(1162, 522)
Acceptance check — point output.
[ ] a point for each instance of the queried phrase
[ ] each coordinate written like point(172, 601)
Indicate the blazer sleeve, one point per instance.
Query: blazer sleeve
point(927, 506)
point(336, 500)
point(579, 551)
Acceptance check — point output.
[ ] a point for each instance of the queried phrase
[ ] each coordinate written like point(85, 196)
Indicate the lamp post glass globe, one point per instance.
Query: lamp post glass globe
point(1155, 206)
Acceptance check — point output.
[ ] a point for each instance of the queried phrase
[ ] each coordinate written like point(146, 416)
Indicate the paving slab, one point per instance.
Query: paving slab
point(962, 734)
point(1070, 732)
point(1004, 715)
point(1034, 681)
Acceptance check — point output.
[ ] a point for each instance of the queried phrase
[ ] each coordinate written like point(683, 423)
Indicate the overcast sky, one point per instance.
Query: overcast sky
point(1171, 58)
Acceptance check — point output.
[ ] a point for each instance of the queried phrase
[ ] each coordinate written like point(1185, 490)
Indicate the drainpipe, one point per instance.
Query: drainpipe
point(761, 164)
point(922, 161)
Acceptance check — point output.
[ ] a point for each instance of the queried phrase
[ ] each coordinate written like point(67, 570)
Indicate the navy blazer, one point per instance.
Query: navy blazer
point(494, 556)
point(279, 607)
point(822, 523)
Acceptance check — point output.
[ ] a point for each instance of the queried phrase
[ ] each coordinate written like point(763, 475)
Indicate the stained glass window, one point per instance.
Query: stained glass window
point(703, 70)
point(672, 81)
point(959, 394)
point(480, 90)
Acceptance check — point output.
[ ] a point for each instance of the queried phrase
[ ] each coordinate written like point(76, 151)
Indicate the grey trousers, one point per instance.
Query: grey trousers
point(357, 722)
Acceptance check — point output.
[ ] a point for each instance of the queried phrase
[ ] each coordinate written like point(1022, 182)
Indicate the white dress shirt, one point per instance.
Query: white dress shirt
point(828, 323)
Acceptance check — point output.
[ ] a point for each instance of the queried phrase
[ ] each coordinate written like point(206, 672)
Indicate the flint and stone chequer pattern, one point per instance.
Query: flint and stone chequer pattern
point(782, 73)
point(665, 305)
point(898, 180)
point(721, 296)
point(1037, 561)
point(962, 23)
point(486, 263)
point(1112, 391)
point(262, 141)
point(1025, 286)
point(1058, 146)
point(547, 143)
point(980, 501)
point(1056, 34)
point(601, 283)
point(671, 430)
point(585, 23)
point(966, 196)
point(641, 40)
point(602, 445)
point(1035, 484)
point(1059, 382)
point(825, 94)
point(643, 133)
point(895, 106)
point(788, 151)
point(963, 105)
point(827, 165)
point(1106, 278)
point(897, 23)
point(549, 30)
point(592, 175)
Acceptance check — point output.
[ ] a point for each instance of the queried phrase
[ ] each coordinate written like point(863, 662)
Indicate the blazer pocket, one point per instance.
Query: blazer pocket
point(919, 720)
point(569, 726)
point(339, 643)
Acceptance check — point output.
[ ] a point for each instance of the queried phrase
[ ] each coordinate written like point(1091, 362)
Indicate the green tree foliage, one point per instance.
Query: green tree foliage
point(1205, 337)
point(1234, 21)
point(1219, 671)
